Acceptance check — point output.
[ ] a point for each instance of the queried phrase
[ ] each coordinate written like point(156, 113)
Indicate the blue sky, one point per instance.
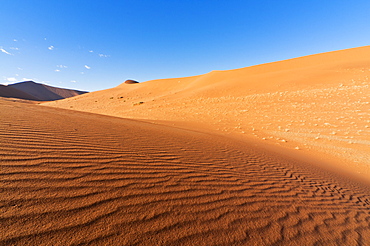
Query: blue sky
point(94, 45)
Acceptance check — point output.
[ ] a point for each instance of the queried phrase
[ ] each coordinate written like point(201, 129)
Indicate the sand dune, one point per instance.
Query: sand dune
point(9, 92)
point(35, 91)
point(86, 179)
point(317, 104)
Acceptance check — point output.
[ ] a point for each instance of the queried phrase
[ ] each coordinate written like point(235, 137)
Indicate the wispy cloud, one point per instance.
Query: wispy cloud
point(4, 51)
point(14, 48)
point(59, 67)
point(11, 79)
point(91, 51)
point(15, 40)
point(73, 81)
point(87, 67)
point(51, 47)
point(102, 55)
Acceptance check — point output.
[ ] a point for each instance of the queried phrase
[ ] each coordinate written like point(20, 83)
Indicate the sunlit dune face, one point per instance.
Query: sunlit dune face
point(317, 103)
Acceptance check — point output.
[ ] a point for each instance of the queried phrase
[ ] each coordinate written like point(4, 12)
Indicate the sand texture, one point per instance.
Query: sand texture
point(318, 104)
point(73, 178)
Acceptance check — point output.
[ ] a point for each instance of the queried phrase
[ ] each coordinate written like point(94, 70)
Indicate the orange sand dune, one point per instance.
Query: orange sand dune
point(74, 178)
point(318, 105)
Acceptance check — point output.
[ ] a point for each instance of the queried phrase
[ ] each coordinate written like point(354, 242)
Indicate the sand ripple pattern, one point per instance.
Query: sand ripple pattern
point(70, 178)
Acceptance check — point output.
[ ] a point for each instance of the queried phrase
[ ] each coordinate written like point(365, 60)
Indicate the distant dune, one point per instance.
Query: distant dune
point(36, 91)
point(8, 91)
point(130, 81)
point(317, 104)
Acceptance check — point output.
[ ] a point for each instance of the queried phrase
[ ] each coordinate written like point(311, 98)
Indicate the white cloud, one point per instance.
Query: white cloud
point(91, 51)
point(11, 79)
point(19, 68)
point(4, 51)
point(56, 70)
point(82, 73)
point(61, 66)
point(87, 67)
point(15, 40)
point(14, 48)
point(102, 55)
point(51, 47)
point(27, 79)
point(73, 81)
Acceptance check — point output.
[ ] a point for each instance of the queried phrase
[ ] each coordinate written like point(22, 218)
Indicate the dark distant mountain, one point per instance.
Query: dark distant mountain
point(36, 91)
point(6, 91)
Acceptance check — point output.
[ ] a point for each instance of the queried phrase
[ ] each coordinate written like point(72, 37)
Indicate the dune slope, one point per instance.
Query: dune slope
point(317, 104)
point(66, 181)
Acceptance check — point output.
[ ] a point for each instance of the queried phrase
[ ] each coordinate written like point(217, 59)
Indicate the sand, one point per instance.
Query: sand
point(71, 178)
point(191, 166)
